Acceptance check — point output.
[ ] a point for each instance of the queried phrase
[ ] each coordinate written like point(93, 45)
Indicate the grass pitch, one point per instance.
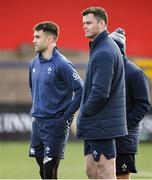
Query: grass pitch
point(15, 163)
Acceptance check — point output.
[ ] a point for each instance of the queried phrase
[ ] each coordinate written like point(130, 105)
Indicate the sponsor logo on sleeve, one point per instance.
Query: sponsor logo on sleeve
point(76, 76)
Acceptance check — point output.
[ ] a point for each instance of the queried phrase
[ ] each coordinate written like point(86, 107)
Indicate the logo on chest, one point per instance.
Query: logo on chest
point(33, 70)
point(49, 70)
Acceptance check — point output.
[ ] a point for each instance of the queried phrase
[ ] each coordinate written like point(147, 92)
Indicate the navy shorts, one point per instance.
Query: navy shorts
point(48, 138)
point(125, 163)
point(106, 147)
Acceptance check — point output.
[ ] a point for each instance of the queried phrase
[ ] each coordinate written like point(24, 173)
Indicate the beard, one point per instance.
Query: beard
point(91, 36)
point(40, 49)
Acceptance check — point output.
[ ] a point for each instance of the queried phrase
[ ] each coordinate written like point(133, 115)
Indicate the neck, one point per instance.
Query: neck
point(92, 39)
point(48, 53)
point(98, 34)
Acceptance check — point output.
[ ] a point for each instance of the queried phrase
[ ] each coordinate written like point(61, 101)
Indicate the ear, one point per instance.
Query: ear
point(50, 39)
point(102, 24)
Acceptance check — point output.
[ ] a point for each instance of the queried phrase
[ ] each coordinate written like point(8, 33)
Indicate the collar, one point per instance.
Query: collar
point(125, 58)
point(121, 47)
point(44, 60)
point(100, 37)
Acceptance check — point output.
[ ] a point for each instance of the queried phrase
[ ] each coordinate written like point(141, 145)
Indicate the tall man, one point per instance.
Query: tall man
point(102, 115)
point(56, 90)
point(137, 103)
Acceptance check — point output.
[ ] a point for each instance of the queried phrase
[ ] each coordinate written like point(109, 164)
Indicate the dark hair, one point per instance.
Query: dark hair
point(47, 26)
point(98, 12)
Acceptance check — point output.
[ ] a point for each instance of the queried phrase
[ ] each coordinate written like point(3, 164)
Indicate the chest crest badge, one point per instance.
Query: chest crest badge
point(49, 70)
point(33, 70)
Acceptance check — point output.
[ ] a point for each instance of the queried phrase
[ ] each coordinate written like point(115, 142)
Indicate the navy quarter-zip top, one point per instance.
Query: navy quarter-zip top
point(56, 87)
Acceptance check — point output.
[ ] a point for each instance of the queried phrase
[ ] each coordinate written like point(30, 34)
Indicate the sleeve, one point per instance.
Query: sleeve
point(140, 97)
point(70, 76)
point(30, 78)
point(102, 75)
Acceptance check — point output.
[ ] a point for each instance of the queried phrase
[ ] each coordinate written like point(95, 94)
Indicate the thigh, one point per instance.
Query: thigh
point(36, 145)
point(54, 143)
point(106, 147)
point(58, 128)
point(48, 138)
point(90, 167)
point(103, 154)
point(125, 163)
point(54, 147)
point(106, 168)
point(89, 162)
point(106, 164)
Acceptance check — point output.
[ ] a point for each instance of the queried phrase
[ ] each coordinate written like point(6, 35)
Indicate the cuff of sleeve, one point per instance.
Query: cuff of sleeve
point(130, 124)
point(68, 116)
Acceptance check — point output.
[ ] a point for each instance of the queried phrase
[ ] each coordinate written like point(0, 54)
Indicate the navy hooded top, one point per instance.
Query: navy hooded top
point(137, 104)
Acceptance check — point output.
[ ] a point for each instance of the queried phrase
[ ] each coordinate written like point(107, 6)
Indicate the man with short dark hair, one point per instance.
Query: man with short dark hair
point(137, 104)
point(56, 90)
point(102, 115)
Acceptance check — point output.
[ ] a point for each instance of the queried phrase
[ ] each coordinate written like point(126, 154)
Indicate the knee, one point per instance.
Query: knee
point(91, 172)
point(48, 166)
point(106, 170)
